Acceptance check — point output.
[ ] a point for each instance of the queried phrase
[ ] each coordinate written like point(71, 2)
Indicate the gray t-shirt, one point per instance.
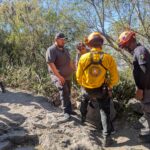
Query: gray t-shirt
point(61, 59)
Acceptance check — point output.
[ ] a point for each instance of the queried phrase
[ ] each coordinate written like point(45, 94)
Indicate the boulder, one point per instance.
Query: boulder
point(93, 114)
point(135, 106)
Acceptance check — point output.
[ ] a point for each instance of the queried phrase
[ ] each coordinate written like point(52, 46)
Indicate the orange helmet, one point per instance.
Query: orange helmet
point(125, 38)
point(95, 39)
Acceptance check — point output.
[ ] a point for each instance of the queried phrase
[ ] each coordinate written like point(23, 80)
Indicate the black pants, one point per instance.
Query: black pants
point(65, 93)
point(104, 107)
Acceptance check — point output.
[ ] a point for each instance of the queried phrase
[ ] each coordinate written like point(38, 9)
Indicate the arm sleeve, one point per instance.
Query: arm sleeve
point(79, 73)
point(141, 56)
point(50, 55)
point(114, 76)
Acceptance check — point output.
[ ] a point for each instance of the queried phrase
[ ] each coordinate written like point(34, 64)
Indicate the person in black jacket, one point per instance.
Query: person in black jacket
point(141, 73)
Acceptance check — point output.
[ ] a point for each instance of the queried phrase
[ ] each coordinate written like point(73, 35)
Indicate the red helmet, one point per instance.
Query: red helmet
point(125, 38)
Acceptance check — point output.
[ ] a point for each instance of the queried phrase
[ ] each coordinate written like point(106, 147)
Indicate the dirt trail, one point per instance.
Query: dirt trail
point(29, 122)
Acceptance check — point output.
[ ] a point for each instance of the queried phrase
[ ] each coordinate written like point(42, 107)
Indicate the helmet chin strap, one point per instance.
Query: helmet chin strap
point(132, 46)
point(129, 50)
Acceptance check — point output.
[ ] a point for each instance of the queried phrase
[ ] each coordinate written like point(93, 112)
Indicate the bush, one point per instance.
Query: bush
point(27, 78)
point(125, 90)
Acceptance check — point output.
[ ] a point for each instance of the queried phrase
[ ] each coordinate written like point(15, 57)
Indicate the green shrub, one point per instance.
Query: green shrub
point(126, 87)
point(27, 78)
point(38, 81)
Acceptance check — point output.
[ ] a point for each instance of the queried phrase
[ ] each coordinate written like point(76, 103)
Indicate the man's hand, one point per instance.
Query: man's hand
point(139, 94)
point(56, 73)
point(62, 80)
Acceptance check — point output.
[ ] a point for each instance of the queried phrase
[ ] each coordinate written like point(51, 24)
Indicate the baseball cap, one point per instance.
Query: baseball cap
point(60, 36)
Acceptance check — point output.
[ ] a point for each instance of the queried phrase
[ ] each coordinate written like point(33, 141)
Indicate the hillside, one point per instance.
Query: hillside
point(30, 122)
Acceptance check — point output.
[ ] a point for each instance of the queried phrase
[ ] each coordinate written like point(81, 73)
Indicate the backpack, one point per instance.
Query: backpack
point(94, 66)
point(94, 71)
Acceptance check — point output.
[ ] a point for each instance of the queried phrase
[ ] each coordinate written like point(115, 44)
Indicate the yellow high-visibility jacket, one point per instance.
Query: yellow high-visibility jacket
point(87, 80)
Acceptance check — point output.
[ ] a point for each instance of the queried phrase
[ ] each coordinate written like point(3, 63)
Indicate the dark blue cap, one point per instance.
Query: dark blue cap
point(60, 36)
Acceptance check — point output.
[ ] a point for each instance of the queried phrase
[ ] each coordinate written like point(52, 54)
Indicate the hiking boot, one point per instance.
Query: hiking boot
point(144, 138)
point(83, 118)
point(65, 118)
point(107, 141)
point(137, 126)
point(73, 113)
point(113, 132)
point(144, 131)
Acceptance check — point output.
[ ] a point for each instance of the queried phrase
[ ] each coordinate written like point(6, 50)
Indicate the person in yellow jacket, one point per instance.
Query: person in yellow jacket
point(92, 70)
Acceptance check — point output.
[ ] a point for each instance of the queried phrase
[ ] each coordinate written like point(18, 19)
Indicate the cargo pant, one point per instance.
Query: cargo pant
point(64, 93)
point(146, 111)
point(104, 106)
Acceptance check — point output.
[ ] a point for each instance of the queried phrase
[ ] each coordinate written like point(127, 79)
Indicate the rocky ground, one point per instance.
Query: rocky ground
point(30, 122)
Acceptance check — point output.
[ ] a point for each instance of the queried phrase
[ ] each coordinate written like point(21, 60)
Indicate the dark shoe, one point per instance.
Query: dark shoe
point(73, 113)
point(144, 138)
point(107, 141)
point(113, 132)
point(137, 126)
point(83, 118)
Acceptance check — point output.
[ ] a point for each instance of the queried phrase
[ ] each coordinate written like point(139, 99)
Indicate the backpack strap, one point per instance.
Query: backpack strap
point(95, 62)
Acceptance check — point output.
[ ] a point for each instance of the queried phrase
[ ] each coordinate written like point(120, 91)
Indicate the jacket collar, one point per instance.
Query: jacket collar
point(96, 49)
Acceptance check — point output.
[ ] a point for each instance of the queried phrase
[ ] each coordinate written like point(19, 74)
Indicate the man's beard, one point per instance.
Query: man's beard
point(60, 46)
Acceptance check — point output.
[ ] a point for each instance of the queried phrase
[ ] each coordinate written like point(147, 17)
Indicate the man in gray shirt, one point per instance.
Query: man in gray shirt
point(60, 68)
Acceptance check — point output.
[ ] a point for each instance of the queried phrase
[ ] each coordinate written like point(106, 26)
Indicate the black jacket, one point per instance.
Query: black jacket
point(141, 71)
